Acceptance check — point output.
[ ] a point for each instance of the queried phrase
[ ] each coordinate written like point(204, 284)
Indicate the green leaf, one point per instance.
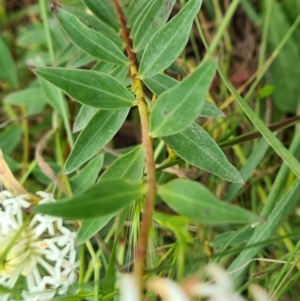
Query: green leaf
point(168, 42)
point(210, 110)
point(120, 73)
point(104, 67)
point(138, 18)
point(80, 60)
point(153, 19)
point(60, 41)
point(84, 116)
point(100, 130)
point(92, 42)
point(129, 167)
point(88, 175)
point(135, 9)
point(292, 10)
point(94, 22)
point(179, 106)
point(9, 138)
point(40, 176)
point(105, 197)
point(33, 99)
point(255, 158)
point(91, 88)
point(91, 226)
point(55, 99)
point(12, 163)
point(238, 237)
point(26, 97)
point(174, 68)
point(195, 201)
point(109, 281)
point(104, 11)
point(195, 146)
point(32, 36)
point(284, 73)
point(5, 290)
point(265, 91)
point(160, 83)
point(8, 68)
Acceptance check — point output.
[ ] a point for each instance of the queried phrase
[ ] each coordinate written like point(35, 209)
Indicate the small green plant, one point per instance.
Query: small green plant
point(147, 47)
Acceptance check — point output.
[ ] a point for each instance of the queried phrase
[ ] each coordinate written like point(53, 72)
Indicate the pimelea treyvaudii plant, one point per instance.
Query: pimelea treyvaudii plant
point(38, 248)
point(131, 49)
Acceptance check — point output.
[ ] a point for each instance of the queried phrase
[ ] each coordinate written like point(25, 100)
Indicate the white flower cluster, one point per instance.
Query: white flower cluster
point(41, 249)
point(219, 289)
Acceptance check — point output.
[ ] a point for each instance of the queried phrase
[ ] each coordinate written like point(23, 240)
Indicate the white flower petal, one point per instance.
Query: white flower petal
point(44, 252)
point(258, 293)
point(128, 288)
point(167, 289)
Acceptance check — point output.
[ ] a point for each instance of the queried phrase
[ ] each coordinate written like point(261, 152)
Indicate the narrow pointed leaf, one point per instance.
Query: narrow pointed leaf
point(154, 18)
point(84, 116)
point(104, 67)
point(88, 175)
point(103, 198)
point(89, 40)
point(100, 130)
point(168, 42)
point(80, 60)
point(91, 226)
point(195, 201)
point(9, 138)
point(160, 83)
point(91, 88)
point(54, 97)
point(179, 106)
point(120, 73)
point(256, 157)
point(104, 11)
point(26, 97)
point(232, 238)
point(210, 110)
point(94, 22)
point(33, 99)
point(129, 167)
point(56, 100)
point(138, 18)
point(110, 279)
point(8, 68)
point(134, 10)
point(195, 146)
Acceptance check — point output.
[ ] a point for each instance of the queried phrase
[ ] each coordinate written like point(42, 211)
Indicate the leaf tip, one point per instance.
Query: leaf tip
point(32, 68)
point(54, 7)
point(68, 169)
point(241, 181)
point(36, 209)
